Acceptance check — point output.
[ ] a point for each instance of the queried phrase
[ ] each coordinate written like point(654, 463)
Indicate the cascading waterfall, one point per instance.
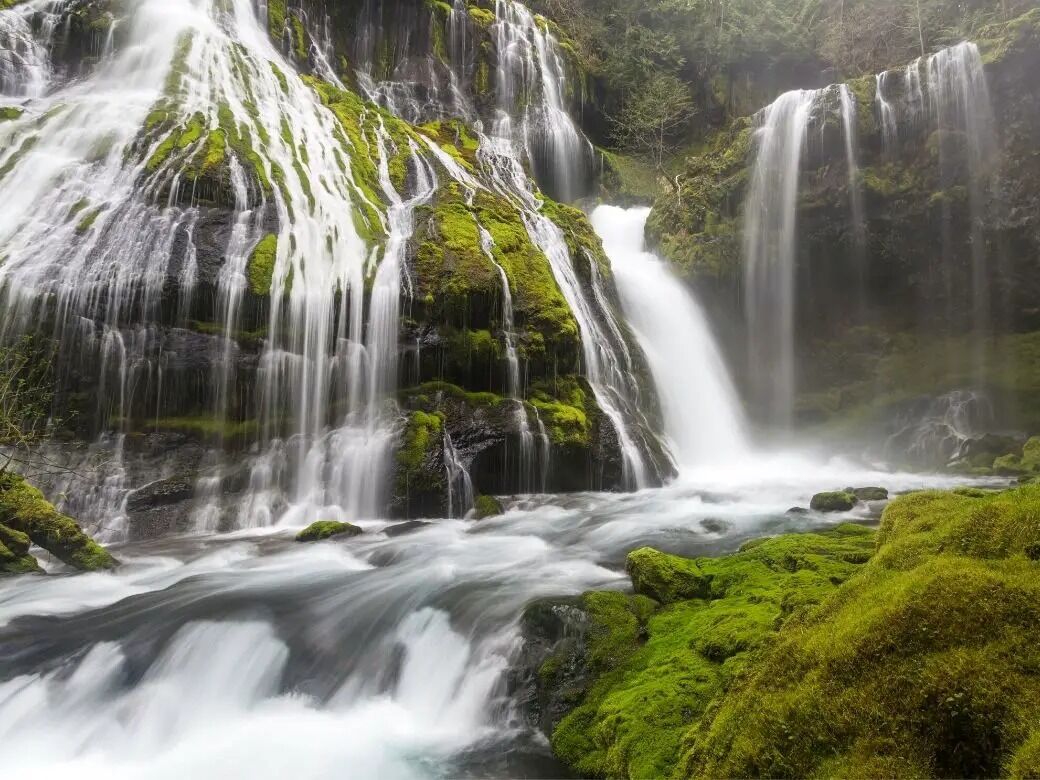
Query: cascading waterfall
point(531, 86)
point(535, 449)
point(117, 248)
point(770, 251)
point(848, 121)
point(25, 68)
point(703, 421)
point(947, 92)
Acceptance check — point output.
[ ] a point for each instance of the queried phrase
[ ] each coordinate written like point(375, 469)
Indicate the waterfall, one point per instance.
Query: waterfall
point(886, 115)
point(960, 105)
point(770, 252)
point(947, 93)
point(460, 485)
point(534, 450)
point(848, 121)
point(703, 421)
point(531, 88)
point(608, 364)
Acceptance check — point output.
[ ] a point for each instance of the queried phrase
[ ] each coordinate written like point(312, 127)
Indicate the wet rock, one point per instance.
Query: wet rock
point(24, 510)
point(797, 510)
point(404, 528)
point(14, 553)
point(326, 529)
point(835, 501)
point(868, 493)
point(486, 506)
point(550, 674)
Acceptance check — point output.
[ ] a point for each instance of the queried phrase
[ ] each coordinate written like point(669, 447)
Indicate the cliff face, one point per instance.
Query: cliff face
point(312, 261)
point(943, 255)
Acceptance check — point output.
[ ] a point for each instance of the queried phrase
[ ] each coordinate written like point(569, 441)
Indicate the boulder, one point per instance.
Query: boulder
point(326, 529)
point(834, 501)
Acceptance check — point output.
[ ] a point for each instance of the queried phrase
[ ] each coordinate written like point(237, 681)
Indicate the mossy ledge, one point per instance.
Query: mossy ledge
point(26, 516)
point(910, 651)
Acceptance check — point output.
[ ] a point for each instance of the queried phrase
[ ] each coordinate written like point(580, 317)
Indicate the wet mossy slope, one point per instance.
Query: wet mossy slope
point(907, 652)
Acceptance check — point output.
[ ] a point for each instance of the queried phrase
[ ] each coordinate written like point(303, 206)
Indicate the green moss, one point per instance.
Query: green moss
point(926, 662)
point(87, 222)
point(10, 113)
point(24, 509)
point(207, 428)
point(836, 501)
point(475, 400)
point(260, 267)
point(421, 434)
point(326, 529)
point(482, 17)
point(565, 409)
point(14, 553)
point(666, 578)
point(659, 671)
point(276, 14)
point(486, 506)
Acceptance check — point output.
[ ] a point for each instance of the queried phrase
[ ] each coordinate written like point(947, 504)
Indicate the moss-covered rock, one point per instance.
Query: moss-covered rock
point(327, 529)
point(924, 664)
point(834, 501)
point(486, 506)
point(666, 578)
point(14, 553)
point(23, 509)
point(659, 670)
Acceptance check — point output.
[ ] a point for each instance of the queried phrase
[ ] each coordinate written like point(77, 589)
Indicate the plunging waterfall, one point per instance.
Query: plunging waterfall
point(703, 420)
point(770, 251)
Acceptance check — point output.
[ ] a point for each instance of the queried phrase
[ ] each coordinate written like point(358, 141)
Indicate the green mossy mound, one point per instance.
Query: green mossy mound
point(659, 669)
point(326, 529)
point(14, 553)
point(925, 664)
point(486, 506)
point(835, 501)
point(24, 511)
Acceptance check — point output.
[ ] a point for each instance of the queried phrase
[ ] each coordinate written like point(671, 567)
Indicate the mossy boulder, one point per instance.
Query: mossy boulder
point(868, 493)
point(666, 578)
point(486, 506)
point(924, 664)
point(834, 501)
point(23, 509)
point(326, 529)
point(14, 553)
point(657, 670)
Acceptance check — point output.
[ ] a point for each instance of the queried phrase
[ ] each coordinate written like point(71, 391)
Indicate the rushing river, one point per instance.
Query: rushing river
point(381, 656)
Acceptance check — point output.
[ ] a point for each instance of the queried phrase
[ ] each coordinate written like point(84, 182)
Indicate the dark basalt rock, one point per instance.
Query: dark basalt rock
point(554, 636)
point(400, 529)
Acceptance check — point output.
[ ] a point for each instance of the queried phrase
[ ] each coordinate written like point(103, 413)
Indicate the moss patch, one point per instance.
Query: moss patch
point(661, 670)
point(260, 267)
point(326, 529)
point(925, 664)
point(23, 509)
